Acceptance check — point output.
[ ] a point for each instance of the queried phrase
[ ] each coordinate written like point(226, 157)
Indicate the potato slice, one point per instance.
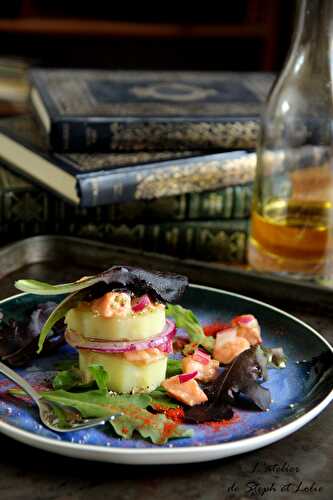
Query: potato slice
point(135, 327)
point(124, 376)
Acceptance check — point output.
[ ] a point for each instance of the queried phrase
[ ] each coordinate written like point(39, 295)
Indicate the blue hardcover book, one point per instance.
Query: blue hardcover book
point(99, 179)
point(101, 111)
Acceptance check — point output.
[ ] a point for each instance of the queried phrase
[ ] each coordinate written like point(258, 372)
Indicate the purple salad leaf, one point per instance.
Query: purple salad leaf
point(19, 337)
point(239, 378)
point(165, 287)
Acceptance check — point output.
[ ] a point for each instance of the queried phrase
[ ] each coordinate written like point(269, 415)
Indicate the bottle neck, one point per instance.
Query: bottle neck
point(313, 40)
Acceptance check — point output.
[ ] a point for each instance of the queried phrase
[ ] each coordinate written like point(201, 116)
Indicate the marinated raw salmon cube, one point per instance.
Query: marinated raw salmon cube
point(188, 392)
point(206, 372)
point(229, 345)
point(248, 328)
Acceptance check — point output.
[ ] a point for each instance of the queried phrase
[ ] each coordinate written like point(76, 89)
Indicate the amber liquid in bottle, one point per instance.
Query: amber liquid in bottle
point(294, 234)
point(291, 235)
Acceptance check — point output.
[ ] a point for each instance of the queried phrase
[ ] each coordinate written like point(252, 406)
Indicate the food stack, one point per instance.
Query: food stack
point(129, 336)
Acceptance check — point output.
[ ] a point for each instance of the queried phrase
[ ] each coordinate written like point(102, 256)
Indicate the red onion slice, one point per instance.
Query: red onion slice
point(185, 377)
point(201, 356)
point(244, 319)
point(162, 342)
point(141, 303)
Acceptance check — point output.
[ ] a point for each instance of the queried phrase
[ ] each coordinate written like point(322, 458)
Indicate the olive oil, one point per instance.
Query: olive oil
point(292, 229)
point(293, 236)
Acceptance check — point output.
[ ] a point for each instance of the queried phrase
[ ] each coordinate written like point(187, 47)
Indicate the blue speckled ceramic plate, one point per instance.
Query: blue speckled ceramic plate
point(299, 393)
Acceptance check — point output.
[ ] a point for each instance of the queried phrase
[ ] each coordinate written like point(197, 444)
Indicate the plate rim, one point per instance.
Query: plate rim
point(225, 449)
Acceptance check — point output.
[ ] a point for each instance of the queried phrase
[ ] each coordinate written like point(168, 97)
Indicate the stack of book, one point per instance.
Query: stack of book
point(158, 161)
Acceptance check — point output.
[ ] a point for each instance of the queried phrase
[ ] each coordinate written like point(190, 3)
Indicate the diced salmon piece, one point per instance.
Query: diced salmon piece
point(145, 356)
point(205, 372)
point(112, 304)
point(229, 345)
point(188, 392)
point(213, 328)
point(248, 328)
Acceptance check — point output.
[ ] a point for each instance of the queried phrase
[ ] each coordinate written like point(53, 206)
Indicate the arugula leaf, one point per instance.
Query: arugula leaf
point(42, 288)
point(100, 376)
point(58, 313)
point(135, 417)
point(174, 367)
point(160, 397)
point(96, 403)
point(185, 319)
point(158, 427)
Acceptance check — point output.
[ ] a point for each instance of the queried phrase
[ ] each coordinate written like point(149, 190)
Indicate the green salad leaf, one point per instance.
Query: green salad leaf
point(58, 313)
point(42, 288)
point(158, 428)
point(71, 379)
point(187, 320)
point(67, 379)
point(100, 376)
point(174, 367)
point(160, 397)
point(99, 403)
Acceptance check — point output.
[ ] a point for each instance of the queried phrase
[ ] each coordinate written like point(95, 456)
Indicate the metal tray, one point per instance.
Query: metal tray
point(61, 259)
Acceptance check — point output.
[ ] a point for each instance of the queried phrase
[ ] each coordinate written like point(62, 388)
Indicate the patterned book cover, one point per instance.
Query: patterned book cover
point(90, 111)
point(103, 179)
point(26, 210)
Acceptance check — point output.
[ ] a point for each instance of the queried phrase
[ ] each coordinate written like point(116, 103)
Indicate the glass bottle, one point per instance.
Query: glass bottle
point(292, 217)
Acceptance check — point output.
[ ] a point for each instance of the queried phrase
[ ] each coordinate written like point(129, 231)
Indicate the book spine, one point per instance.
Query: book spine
point(71, 136)
point(221, 241)
point(167, 178)
point(227, 203)
point(26, 204)
point(101, 136)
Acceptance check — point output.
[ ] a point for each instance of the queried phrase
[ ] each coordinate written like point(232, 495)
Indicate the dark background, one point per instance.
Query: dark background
point(225, 35)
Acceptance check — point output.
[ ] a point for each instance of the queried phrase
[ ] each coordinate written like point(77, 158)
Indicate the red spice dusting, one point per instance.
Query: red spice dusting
point(168, 429)
point(223, 423)
point(213, 328)
point(175, 414)
point(124, 430)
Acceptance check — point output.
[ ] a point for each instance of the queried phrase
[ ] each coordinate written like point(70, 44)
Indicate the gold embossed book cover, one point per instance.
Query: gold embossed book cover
point(101, 179)
point(100, 111)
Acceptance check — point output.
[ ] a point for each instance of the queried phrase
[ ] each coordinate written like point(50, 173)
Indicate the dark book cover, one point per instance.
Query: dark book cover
point(99, 179)
point(90, 111)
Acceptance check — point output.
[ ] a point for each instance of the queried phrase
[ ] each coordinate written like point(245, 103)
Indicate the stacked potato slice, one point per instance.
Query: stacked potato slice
point(132, 347)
